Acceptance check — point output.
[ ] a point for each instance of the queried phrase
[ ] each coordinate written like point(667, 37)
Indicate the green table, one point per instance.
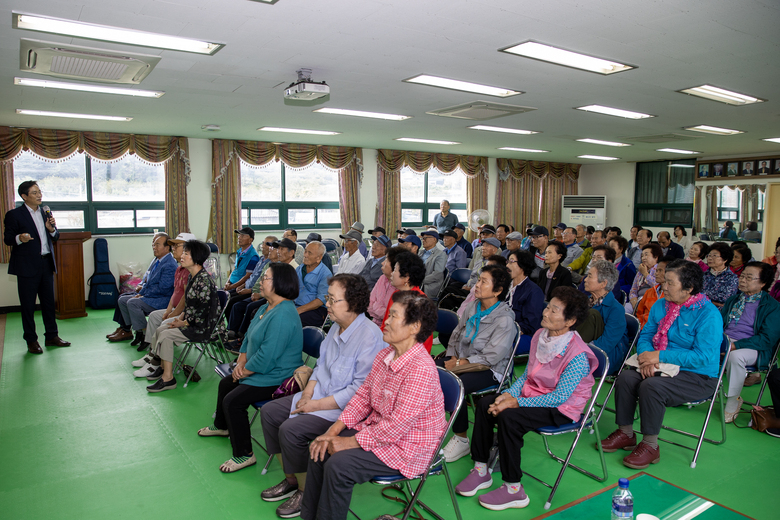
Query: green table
point(651, 495)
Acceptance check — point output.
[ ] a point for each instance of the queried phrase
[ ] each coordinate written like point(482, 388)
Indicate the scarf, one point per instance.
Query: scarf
point(739, 306)
point(550, 346)
point(661, 338)
point(595, 302)
point(472, 324)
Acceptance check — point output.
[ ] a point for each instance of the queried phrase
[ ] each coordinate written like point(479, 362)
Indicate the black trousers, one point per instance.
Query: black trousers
point(315, 317)
point(513, 424)
point(235, 298)
point(242, 314)
point(233, 399)
point(40, 286)
point(773, 382)
point(472, 382)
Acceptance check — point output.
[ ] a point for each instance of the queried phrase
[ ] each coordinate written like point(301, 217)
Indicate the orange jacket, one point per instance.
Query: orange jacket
point(647, 301)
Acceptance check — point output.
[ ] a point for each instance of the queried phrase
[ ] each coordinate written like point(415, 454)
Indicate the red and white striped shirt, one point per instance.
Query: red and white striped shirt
point(399, 410)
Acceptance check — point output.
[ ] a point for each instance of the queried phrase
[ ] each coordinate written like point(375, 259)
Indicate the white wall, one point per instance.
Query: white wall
point(616, 182)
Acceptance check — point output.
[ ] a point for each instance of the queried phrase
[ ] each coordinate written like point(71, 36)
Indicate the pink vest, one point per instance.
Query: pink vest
point(543, 378)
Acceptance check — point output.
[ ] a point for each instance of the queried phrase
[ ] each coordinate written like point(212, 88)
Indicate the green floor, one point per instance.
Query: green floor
point(81, 438)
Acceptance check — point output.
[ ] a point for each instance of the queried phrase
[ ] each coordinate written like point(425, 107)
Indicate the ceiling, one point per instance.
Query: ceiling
point(364, 48)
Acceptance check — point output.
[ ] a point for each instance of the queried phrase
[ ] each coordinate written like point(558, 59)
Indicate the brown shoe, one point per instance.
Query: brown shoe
point(117, 331)
point(642, 456)
point(753, 379)
point(57, 342)
point(123, 335)
point(618, 440)
point(34, 348)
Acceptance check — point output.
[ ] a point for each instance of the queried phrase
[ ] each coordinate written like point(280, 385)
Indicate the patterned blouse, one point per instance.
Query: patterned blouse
point(201, 308)
point(720, 287)
point(642, 283)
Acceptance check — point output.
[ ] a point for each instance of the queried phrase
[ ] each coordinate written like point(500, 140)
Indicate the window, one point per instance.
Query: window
point(761, 201)
point(276, 196)
point(664, 193)
point(84, 194)
point(422, 193)
point(729, 203)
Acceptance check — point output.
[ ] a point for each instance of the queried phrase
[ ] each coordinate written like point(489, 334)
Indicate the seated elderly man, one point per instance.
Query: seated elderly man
point(153, 293)
point(312, 286)
point(455, 291)
point(514, 242)
point(316, 237)
point(346, 357)
point(573, 250)
point(246, 260)
point(464, 244)
point(435, 261)
point(244, 291)
point(372, 270)
point(456, 257)
point(485, 232)
point(291, 234)
point(605, 326)
point(579, 267)
point(752, 321)
point(352, 261)
point(360, 228)
point(682, 337)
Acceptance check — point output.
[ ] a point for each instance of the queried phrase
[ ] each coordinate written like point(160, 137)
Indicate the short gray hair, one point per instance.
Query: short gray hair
point(319, 245)
point(606, 271)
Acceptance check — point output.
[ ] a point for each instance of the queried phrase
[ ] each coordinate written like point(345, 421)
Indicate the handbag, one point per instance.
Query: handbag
point(293, 384)
point(764, 418)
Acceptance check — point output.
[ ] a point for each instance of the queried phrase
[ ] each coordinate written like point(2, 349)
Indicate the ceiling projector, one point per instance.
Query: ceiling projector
point(304, 89)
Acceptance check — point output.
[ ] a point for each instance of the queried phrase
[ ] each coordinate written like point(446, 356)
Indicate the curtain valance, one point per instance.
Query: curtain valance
point(519, 168)
point(392, 161)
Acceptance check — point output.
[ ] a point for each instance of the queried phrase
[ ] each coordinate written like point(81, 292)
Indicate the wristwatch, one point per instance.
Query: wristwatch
point(457, 362)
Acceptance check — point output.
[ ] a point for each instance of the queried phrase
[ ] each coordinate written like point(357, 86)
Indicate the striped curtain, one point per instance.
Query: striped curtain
point(225, 196)
point(104, 146)
point(532, 191)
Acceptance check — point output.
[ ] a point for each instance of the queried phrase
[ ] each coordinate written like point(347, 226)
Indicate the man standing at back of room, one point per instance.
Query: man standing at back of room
point(31, 233)
point(445, 219)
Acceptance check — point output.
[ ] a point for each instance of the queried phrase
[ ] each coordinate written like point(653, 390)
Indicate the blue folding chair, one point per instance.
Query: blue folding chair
point(633, 327)
point(452, 388)
point(461, 275)
point(587, 420)
point(755, 368)
point(446, 322)
point(719, 394)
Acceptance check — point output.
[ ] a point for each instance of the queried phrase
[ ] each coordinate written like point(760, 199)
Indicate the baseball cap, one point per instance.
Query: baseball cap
point(181, 238)
point(492, 241)
point(459, 226)
point(430, 233)
point(314, 237)
point(487, 228)
point(246, 231)
point(539, 230)
point(414, 239)
point(561, 226)
point(352, 235)
point(378, 228)
point(450, 233)
point(514, 235)
point(286, 243)
point(383, 239)
point(408, 231)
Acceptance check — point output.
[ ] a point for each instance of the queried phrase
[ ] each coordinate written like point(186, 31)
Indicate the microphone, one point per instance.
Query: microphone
point(48, 214)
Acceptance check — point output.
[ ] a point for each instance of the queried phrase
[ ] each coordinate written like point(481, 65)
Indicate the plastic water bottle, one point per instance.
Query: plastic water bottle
point(622, 501)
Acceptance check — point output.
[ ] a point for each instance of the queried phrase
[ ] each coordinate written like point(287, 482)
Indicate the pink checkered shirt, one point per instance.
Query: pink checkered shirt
point(399, 410)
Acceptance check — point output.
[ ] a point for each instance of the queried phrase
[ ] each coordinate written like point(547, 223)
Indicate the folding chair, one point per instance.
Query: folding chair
point(212, 264)
point(452, 388)
point(754, 368)
point(633, 327)
point(725, 348)
point(461, 275)
point(587, 420)
point(210, 348)
point(506, 377)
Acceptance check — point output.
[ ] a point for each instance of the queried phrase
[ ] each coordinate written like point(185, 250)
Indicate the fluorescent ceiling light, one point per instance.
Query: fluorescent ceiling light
point(772, 139)
point(609, 111)
point(713, 130)
point(722, 95)
point(524, 150)
point(599, 157)
point(360, 113)
point(427, 141)
point(74, 116)
point(502, 129)
point(675, 150)
point(604, 143)
point(682, 166)
point(540, 51)
point(91, 31)
point(297, 131)
point(454, 84)
point(44, 83)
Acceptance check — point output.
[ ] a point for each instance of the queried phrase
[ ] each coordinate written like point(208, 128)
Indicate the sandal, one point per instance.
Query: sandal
point(213, 431)
point(236, 463)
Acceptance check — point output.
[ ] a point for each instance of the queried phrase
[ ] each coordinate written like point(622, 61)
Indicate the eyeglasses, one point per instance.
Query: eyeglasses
point(267, 278)
point(714, 256)
point(748, 278)
point(332, 301)
point(33, 193)
point(511, 261)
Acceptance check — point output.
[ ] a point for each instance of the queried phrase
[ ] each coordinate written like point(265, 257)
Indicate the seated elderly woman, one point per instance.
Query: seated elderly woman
point(684, 332)
point(642, 312)
point(606, 323)
point(394, 422)
point(553, 390)
point(752, 321)
point(270, 353)
point(645, 273)
point(698, 253)
point(603, 252)
point(742, 255)
point(720, 283)
point(526, 299)
point(346, 356)
point(383, 289)
point(196, 323)
point(554, 275)
point(624, 265)
point(408, 274)
point(480, 347)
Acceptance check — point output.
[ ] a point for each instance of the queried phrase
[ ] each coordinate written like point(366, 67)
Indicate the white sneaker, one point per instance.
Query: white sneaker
point(146, 370)
point(456, 449)
point(138, 363)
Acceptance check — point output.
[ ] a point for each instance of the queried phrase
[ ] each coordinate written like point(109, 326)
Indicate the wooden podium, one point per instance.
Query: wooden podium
point(69, 298)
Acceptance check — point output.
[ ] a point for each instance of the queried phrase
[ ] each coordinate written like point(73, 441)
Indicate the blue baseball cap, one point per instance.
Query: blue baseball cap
point(383, 239)
point(414, 239)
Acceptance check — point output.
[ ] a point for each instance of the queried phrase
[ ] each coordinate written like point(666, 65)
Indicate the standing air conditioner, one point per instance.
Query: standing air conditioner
point(588, 210)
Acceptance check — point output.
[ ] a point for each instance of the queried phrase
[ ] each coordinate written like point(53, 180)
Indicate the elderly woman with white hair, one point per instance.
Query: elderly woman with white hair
point(601, 278)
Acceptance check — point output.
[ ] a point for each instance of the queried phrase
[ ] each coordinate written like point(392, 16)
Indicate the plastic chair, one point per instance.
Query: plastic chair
point(754, 368)
point(725, 348)
point(461, 275)
point(633, 327)
point(446, 322)
point(452, 388)
point(587, 420)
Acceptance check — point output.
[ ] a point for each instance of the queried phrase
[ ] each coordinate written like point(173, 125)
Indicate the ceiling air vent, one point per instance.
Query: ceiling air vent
point(660, 138)
point(84, 63)
point(480, 110)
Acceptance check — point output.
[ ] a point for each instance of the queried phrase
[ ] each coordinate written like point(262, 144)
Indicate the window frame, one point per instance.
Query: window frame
point(90, 210)
point(283, 208)
point(427, 205)
point(666, 208)
point(723, 209)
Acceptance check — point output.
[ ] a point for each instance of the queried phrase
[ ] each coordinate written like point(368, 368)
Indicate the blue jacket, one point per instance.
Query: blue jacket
point(456, 258)
point(313, 285)
point(694, 338)
point(627, 272)
point(158, 286)
point(528, 304)
point(614, 339)
point(466, 246)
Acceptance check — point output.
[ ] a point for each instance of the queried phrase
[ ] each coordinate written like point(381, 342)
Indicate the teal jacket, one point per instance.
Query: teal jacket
point(273, 345)
point(766, 327)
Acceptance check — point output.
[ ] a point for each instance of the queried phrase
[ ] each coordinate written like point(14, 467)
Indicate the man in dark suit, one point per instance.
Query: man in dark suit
point(31, 235)
point(670, 248)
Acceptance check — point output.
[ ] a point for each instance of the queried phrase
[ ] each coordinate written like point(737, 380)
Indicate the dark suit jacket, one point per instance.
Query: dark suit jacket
point(676, 250)
point(561, 277)
point(26, 259)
